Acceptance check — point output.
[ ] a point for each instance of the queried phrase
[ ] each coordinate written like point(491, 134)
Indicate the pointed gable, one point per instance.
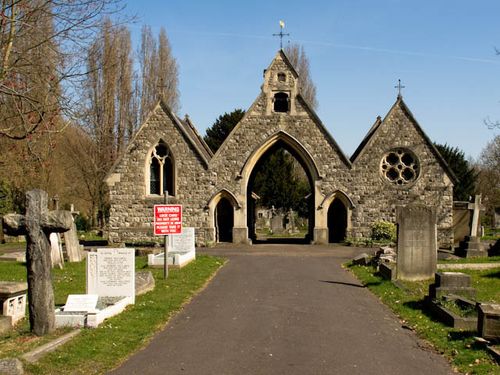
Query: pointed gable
point(281, 82)
point(393, 120)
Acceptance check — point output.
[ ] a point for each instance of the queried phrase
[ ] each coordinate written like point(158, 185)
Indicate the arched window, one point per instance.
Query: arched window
point(281, 77)
point(161, 171)
point(280, 102)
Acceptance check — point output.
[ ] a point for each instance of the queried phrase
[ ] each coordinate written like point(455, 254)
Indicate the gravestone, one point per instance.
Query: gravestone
point(182, 250)
point(56, 254)
point(456, 283)
point(488, 324)
point(111, 273)
point(71, 242)
point(277, 223)
point(184, 242)
point(37, 225)
point(472, 246)
point(417, 242)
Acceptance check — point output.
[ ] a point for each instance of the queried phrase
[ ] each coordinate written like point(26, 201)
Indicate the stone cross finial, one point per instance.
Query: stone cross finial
point(399, 86)
point(37, 225)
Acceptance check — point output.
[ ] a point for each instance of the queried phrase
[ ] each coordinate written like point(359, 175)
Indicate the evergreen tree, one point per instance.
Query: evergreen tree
point(218, 132)
point(467, 177)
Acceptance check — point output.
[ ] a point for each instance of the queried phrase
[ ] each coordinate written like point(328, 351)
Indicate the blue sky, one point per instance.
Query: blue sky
point(442, 50)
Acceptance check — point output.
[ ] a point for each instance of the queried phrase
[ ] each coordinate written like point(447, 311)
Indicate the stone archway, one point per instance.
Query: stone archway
point(224, 220)
point(280, 140)
point(222, 207)
point(337, 221)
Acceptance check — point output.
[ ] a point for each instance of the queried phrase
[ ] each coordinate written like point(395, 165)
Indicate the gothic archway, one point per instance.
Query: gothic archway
point(224, 220)
point(277, 142)
point(337, 221)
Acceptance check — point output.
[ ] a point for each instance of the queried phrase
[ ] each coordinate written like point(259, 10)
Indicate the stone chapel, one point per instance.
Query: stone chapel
point(396, 164)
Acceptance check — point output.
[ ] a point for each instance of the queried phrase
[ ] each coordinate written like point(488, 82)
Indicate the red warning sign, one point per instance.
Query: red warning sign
point(168, 219)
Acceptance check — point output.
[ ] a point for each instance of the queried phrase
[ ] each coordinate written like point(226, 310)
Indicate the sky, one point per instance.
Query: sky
point(442, 50)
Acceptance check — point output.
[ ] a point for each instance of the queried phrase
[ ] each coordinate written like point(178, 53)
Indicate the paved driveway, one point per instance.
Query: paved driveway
point(285, 309)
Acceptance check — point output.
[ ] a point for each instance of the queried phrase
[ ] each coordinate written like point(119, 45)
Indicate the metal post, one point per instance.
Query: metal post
point(165, 258)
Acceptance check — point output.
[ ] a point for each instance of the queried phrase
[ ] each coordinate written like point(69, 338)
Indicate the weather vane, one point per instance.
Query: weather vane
point(281, 34)
point(399, 86)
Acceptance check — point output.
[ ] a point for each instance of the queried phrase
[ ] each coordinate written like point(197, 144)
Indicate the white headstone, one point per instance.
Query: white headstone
point(56, 254)
point(111, 273)
point(81, 302)
point(184, 242)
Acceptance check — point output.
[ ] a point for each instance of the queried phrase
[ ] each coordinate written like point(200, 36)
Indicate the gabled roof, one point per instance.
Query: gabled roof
point(189, 126)
point(305, 104)
point(185, 127)
point(402, 105)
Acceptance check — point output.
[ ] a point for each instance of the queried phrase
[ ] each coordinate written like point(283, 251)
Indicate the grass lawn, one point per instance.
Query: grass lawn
point(95, 351)
point(407, 303)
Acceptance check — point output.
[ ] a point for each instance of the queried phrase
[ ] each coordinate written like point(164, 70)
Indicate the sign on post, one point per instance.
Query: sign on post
point(168, 219)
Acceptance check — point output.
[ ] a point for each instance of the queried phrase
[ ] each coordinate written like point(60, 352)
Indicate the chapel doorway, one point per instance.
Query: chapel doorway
point(224, 220)
point(337, 221)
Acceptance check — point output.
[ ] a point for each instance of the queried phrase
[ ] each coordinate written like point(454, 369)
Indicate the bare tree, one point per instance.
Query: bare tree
point(300, 62)
point(107, 112)
point(41, 44)
point(489, 175)
point(159, 72)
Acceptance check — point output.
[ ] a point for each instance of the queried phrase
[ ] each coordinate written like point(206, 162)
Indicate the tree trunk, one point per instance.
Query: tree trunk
point(40, 292)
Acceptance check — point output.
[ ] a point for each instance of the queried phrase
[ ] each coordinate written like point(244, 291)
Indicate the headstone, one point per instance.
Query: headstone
point(144, 282)
point(417, 242)
point(81, 302)
point(472, 246)
point(488, 324)
point(361, 259)
point(71, 242)
point(111, 273)
point(56, 254)
point(37, 225)
point(456, 283)
point(277, 223)
point(387, 271)
point(184, 242)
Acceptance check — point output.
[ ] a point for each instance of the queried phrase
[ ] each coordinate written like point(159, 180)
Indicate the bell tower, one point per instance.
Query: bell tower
point(280, 86)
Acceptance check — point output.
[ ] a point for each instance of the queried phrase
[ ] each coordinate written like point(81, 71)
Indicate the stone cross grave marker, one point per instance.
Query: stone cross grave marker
point(111, 273)
point(417, 242)
point(37, 225)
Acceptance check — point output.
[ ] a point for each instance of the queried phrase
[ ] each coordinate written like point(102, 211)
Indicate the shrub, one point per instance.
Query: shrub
point(383, 230)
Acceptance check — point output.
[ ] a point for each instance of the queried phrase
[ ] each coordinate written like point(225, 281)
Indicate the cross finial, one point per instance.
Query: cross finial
point(281, 34)
point(399, 86)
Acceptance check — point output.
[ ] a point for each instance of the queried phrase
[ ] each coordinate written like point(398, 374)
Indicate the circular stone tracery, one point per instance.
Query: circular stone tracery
point(400, 166)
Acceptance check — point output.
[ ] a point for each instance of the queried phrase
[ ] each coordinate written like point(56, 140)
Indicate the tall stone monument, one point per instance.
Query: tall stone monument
point(37, 225)
point(417, 242)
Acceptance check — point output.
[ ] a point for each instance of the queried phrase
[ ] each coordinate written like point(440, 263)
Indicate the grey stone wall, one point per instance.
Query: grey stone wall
point(131, 215)
point(199, 180)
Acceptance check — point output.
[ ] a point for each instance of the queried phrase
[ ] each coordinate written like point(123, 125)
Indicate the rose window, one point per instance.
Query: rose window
point(400, 166)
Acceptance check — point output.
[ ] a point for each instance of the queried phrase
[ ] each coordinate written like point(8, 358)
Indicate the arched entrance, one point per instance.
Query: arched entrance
point(337, 221)
point(224, 220)
point(297, 213)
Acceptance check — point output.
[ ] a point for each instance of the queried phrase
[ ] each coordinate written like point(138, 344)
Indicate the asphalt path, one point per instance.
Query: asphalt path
point(285, 309)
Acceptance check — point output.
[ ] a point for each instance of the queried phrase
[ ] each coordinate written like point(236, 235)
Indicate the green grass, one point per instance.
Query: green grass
point(95, 351)
point(407, 302)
